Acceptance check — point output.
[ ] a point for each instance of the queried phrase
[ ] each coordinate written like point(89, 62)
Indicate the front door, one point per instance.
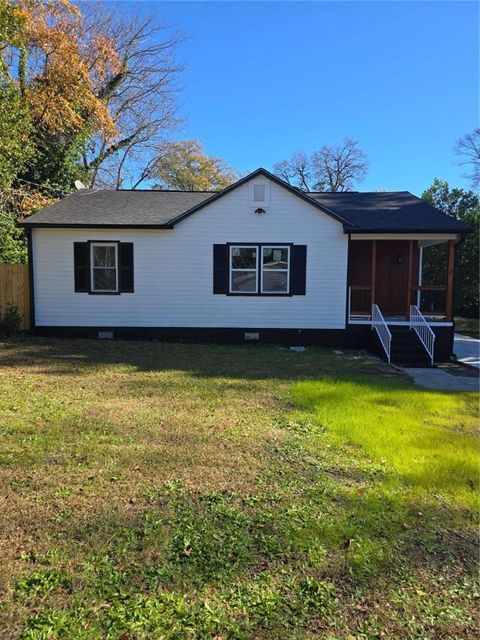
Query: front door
point(391, 276)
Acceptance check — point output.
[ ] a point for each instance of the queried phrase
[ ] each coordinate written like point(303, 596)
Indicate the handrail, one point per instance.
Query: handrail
point(383, 332)
point(423, 330)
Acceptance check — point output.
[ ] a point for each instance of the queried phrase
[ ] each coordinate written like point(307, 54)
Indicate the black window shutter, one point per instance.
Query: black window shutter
point(125, 250)
point(220, 268)
point(298, 269)
point(81, 265)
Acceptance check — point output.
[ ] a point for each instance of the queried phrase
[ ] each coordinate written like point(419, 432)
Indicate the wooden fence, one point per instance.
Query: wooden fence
point(15, 290)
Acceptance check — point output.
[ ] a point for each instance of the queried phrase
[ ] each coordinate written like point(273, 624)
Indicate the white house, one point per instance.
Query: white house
point(259, 260)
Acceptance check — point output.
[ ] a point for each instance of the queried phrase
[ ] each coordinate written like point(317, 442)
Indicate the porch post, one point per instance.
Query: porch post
point(409, 278)
point(420, 276)
point(374, 272)
point(450, 269)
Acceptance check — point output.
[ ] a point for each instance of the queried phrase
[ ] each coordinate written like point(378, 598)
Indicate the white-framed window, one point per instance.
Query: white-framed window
point(259, 269)
point(244, 269)
point(275, 269)
point(104, 267)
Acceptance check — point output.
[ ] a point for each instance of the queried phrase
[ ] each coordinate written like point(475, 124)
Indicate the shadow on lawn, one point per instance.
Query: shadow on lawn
point(77, 357)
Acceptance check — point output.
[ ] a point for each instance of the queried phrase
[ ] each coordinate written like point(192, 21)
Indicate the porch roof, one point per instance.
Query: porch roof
point(388, 212)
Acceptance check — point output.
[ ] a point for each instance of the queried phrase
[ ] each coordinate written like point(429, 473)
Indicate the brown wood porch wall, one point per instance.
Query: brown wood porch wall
point(15, 290)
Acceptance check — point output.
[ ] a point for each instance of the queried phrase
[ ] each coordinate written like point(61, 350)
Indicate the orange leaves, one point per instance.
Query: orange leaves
point(64, 68)
point(30, 201)
point(103, 58)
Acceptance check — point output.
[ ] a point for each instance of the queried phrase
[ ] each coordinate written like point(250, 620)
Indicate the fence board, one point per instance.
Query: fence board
point(15, 290)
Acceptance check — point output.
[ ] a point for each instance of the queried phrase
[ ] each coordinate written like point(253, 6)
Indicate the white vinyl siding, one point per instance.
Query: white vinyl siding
point(174, 270)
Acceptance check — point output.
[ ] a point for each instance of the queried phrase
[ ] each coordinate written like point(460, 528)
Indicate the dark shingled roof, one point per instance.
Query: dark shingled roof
point(392, 211)
point(118, 208)
point(375, 212)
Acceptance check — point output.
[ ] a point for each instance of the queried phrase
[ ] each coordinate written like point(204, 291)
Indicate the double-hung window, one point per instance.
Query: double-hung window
point(259, 269)
point(104, 267)
point(275, 269)
point(243, 269)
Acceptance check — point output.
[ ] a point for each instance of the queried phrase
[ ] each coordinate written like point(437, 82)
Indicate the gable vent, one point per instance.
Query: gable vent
point(259, 193)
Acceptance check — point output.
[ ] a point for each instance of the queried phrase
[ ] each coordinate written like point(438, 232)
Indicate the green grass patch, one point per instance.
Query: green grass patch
point(169, 492)
point(428, 438)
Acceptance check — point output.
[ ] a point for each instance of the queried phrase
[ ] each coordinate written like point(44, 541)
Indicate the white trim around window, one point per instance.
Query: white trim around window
point(279, 272)
point(94, 268)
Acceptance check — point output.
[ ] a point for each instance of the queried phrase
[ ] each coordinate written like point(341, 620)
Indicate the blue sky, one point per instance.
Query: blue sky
point(264, 79)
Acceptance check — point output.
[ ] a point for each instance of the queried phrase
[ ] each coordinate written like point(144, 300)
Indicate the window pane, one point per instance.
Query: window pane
point(244, 257)
point(275, 281)
point(104, 256)
point(244, 281)
point(104, 280)
point(274, 258)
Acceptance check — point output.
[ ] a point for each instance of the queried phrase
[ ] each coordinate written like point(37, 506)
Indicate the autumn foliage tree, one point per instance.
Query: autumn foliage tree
point(184, 166)
point(84, 95)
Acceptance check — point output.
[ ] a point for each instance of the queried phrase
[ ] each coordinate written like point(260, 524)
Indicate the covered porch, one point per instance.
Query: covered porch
point(387, 270)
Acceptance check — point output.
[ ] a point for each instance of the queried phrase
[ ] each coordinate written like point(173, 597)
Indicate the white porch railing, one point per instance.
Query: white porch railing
point(383, 332)
point(423, 330)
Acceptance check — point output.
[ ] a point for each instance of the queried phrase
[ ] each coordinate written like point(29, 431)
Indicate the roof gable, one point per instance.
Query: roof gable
point(252, 176)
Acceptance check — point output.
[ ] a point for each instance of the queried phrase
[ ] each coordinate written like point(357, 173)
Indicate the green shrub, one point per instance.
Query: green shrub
point(10, 322)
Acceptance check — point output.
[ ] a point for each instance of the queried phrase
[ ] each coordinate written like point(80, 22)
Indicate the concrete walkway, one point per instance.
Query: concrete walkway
point(433, 378)
point(467, 350)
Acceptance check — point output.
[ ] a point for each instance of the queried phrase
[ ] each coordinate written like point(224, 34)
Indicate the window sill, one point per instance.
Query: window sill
point(260, 295)
point(104, 293)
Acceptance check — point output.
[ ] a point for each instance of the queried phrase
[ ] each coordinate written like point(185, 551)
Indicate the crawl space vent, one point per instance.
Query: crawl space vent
point(105, 335)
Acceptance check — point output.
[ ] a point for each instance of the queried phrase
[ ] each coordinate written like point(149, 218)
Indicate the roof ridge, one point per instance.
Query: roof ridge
point(362, 193)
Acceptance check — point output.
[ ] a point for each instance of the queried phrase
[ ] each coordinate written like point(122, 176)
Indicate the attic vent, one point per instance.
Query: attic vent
point(259, 193)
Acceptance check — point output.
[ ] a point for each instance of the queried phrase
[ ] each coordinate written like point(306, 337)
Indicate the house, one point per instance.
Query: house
point(259, 260)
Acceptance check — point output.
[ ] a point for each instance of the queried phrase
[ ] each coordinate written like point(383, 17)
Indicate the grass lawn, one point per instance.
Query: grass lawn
point(468, 326)
point(160, 491)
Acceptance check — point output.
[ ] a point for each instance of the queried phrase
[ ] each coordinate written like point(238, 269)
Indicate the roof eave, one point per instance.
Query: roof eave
point(81, 225)
point(407, 230)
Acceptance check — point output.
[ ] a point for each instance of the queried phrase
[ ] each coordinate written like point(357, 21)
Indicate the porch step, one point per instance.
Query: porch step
point(407, 350)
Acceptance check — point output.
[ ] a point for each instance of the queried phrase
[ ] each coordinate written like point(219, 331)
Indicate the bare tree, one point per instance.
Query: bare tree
point(297, 171)
point(468, 151)
point(141, 95)
point(332, 168)
point(339, 167)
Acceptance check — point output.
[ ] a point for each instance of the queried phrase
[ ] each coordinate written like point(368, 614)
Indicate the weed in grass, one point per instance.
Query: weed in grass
point(41, 582)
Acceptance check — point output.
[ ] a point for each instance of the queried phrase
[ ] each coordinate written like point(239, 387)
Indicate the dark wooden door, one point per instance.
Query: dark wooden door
point(392, 276)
